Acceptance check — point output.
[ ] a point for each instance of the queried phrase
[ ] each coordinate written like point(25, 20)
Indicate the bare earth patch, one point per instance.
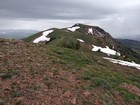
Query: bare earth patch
point(131, 88)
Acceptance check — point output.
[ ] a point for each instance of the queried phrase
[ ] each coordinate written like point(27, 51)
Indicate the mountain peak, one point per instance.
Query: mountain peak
point(92, 30)
point(82, 37)
point(91, 34)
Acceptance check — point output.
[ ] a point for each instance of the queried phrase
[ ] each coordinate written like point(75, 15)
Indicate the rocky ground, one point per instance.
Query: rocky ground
point(33, 74)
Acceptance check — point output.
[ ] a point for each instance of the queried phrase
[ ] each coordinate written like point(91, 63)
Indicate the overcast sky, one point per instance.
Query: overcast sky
point(118, 17)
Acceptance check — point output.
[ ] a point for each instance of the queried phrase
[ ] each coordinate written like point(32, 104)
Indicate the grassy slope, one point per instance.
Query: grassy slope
point(64, 38)
point(79, 34)
point(37, 74)
point(32, 37)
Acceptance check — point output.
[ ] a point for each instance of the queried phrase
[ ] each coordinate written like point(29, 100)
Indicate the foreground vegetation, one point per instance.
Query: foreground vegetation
point(52, 75)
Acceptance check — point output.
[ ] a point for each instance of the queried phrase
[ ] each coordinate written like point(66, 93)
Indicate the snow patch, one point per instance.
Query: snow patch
point(43, 37)
point(106, 50)
point(125, 63)
point(90, 31)
point(80, 40)
point(73, 28)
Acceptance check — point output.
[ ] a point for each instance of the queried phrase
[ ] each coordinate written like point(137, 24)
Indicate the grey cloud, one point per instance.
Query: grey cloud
point(118, 17)
point(53, 9)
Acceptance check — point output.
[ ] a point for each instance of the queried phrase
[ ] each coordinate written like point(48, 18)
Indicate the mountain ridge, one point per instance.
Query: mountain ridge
point(83, 29)
point(90, 35)
point(47, 74)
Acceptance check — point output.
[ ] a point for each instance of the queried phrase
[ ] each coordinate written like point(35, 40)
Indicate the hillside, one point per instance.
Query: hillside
point(86, 38)
point(78, 65)
point(90, 34)
point(39, 74)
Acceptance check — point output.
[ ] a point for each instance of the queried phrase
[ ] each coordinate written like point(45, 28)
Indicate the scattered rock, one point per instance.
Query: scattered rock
point(71, 79)
point(98, 102)
point(51, 74)
point(78, 81)
point(1, 56)
point(86, 93)
point(19, 100)
point(67, 94)
point(73, 101)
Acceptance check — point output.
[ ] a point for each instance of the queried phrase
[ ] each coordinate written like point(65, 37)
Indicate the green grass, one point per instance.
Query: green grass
point(8, 74)
point(32, 37)
point(99, 74)
point(59, 33)
point(5, 76)
point(74, 57)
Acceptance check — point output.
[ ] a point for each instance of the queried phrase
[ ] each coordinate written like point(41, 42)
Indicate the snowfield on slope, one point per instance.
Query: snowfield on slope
point(73, 28)
point(43, 37)
point(125, 63)
point(90, 31)
point(106, 50)
point(80, 40)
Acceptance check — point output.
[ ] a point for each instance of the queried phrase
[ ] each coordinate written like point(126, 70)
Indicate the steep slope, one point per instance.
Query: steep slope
point(71, 36)
point(90, 34)
point(99, 36)
point(86, 38)
point(33, 74)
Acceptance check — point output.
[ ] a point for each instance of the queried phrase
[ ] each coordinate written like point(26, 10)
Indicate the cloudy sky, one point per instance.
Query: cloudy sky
point(121, 18)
